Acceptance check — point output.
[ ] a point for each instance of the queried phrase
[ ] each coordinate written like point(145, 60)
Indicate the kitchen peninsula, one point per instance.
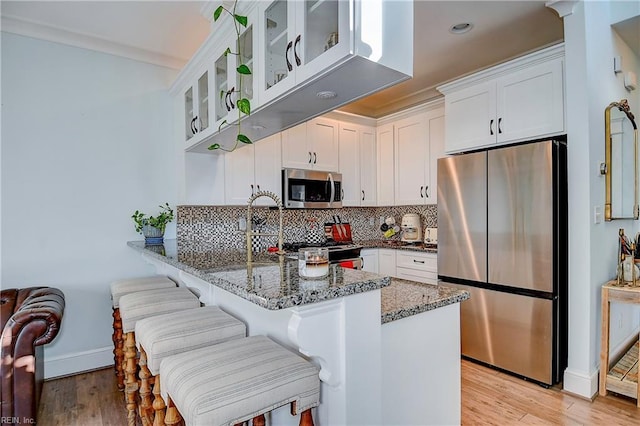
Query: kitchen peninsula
point(388, 349)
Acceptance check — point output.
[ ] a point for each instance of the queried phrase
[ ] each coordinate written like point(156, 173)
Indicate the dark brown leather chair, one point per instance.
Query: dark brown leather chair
point(31, 317)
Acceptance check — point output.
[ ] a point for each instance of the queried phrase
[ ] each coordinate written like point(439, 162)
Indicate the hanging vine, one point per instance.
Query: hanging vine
point(243, 104)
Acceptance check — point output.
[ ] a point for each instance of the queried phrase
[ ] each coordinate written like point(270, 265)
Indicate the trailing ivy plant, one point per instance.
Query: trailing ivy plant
point(243, 104)
point(160, 221)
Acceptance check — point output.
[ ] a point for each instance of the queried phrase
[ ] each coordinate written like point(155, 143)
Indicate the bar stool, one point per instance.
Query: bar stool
point(118, 289)
point(135, 307)
point(236, 381)
point(161, 336)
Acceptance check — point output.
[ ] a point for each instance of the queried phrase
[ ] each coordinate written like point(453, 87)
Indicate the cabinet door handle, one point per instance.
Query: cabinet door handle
point(426, 191)
point(226, 101)
point(315, 158)
point(295, 50)
point(286, 56)
point(342, 194)
point(258, 186)
point(310, 157)
point(252, 193)
point(193, 126)
point(491, 127)
point(418, 261)
point(231, 92)
point(421, 193)
point(361, 262)
point(363, 195)
point(500, 125)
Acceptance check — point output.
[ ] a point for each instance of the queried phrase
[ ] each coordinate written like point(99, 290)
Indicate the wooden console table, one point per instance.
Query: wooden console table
point(622, 378)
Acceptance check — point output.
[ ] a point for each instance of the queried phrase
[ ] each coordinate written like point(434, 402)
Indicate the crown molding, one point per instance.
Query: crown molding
point(57, 35)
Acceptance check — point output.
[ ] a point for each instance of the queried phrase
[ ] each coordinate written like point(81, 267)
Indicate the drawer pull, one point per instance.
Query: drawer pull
point(418, 261)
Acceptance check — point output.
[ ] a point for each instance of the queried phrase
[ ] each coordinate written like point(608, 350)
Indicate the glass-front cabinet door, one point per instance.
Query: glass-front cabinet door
point(221, 84)
point(189, 114)
point(301, 38)
point(324, 35)
point(196, 107)
point(203, 102)
point(277, 23)
point(242, 86)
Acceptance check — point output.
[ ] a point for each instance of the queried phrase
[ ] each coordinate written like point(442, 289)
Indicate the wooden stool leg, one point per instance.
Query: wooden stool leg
point(259, 420)
point(173, 416)
point(146, 405)
point(306, 419)
point(131, 387)
point(118, 348)
point(158, 404)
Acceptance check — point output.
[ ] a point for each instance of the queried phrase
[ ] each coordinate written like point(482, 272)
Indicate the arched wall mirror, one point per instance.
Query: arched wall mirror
point(621, 162)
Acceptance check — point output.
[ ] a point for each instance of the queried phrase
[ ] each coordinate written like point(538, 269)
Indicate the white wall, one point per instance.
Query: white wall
point(590, 46)
point(86, 140)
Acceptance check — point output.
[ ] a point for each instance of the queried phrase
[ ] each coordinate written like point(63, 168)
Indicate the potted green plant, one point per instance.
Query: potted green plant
point(152, 227)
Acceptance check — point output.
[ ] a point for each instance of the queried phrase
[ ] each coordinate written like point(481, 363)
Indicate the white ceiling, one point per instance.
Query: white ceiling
point(169, 33)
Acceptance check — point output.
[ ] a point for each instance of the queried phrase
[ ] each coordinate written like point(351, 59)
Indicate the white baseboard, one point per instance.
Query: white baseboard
point(581, 384)
point(77, 362)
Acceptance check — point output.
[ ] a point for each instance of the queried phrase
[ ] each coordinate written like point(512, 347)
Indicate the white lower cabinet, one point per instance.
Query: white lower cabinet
point(369, 260)
point(387, 262)
point(415, 266)
point(253, 168)
point(404, 264)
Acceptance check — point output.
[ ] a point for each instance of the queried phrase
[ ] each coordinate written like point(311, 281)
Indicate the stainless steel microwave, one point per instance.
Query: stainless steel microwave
point(311, 189)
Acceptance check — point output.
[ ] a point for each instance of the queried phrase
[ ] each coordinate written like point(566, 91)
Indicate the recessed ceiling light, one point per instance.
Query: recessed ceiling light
point(461, 28)
point(326, 94)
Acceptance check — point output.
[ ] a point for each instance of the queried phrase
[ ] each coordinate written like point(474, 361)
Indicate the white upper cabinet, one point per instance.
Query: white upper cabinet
point(196, 107)
point(411, 160)
point(357, 156)
point(312, 145)
point(418, 143)
point(231, 86)
point(517, 101)
point(253, 168)
point(301, 38)
point(385, 165)
point(309, 57)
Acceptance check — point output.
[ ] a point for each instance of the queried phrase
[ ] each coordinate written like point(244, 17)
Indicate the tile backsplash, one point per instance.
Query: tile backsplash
point(220, 225)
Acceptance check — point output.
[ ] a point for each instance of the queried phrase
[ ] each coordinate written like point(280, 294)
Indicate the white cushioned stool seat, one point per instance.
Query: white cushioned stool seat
point(143, 304)
point(131, 285)
point(237, 380)
point(170, 334)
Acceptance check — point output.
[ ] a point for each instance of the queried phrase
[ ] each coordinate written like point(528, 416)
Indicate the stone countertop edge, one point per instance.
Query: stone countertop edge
point(294, 300)
point(416, 298)
point(385, 244)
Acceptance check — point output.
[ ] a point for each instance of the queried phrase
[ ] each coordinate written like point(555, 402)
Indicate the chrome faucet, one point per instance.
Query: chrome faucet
point(250, 233)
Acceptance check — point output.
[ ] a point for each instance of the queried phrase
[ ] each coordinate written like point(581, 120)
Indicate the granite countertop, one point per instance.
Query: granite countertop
point(405, 298)
point(271, 282)
point(399, 245)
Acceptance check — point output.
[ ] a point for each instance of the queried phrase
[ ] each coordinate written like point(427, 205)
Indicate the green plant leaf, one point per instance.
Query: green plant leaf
point(214, 147)
point(217, 13)
point(244, 105)
point(227, 51)
point(243, 69)
point(244, 139)
point(242, 19)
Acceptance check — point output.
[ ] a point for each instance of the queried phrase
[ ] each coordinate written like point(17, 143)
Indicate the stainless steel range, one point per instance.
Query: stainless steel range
point(346, 255)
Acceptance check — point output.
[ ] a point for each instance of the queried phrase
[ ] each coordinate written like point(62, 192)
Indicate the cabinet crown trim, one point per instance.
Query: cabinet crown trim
point(540, 56)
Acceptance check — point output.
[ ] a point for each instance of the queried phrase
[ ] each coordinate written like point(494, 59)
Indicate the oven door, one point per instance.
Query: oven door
point(311, 189)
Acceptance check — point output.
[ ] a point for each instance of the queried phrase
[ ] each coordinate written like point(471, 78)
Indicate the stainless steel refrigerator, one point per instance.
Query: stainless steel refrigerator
point(502, 235)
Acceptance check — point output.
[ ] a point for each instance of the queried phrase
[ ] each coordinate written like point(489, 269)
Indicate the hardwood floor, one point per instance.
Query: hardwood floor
point(488, 398)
